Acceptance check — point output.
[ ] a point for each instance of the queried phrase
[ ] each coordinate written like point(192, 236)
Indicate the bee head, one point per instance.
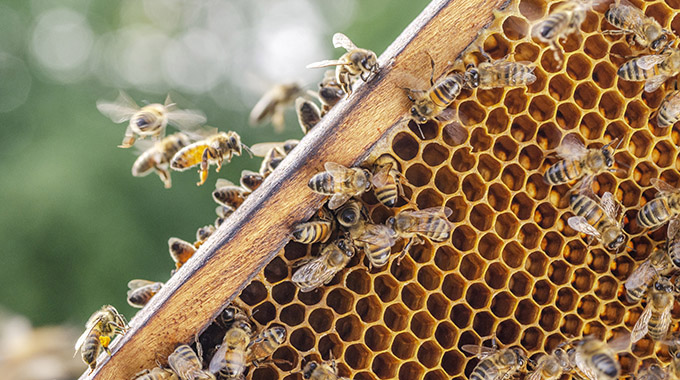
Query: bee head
point(472, 76)
point(658, 36)
point(617, 242)
point(309, 368)
point(608, 152)
point(421, 111)
point(370, 63)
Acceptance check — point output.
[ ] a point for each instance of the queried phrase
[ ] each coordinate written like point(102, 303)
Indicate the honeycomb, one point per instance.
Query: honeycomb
point(512, 268)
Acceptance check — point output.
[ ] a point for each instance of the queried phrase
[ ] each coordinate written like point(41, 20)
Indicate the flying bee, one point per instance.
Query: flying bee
point(251, 180)
point(320, 270)
point(356, 63)
point(265, 343)
point(308, 114)
point(223, 212)
point(273, 105)
point(656, 318)
point(658, 263)
point(318, 230)
point(228, 194)
point(564, 20)
point(340, 183)
point(654, 69)
point(499, 73)
point(646, 31)
point(662, 208)
point(149, 120)
point(496, 364)
point(203, 233)
point(330, 92)
point(387, 180)
point(598, 220)
point(100, 329)
point(431, 223)
point(551, 367)
point(180, 251)
point(158, 157)
point(273, 153)
point(230, 359)
point(669, 110)
point(187, 364)
point(157, 373)
point(375, 239)
point(213, 149)
point(321, 371)
point(580, 162)
point(141, 291)
point(596, 359)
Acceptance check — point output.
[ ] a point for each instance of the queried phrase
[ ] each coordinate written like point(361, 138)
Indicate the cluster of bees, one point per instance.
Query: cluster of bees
point(344, 227)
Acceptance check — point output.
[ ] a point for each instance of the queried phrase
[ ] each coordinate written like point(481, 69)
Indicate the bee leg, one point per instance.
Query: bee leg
point(405, 250)
point(128, 139)
point(164, 175)
point(203, 168)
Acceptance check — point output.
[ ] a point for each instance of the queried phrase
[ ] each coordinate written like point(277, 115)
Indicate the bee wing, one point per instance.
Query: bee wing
point(571, 148)
point(480, 351)
point(325, 63)
point(640, 275)
point(263, 109)
point(673, 228)
point(91, 323)
point(381, 176)
point(377, 233)
point(423, 216)
point(186, 119)
point(642, 324)
point(337, 200)
point(610, 205)
point(189, 156)
point(223, 182)
point(313, 273)
point(503, 66)
point(335, 169)
point(216, 363)
point(580, 224)
point(120, 109)
point(261, 149)
point(655, 82)
point(665, 317)
point(341, 40)
point(136, 284)
point(662, 186)
point(648, 61)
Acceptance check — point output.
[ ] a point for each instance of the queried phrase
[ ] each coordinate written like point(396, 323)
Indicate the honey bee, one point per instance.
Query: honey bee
point(564, 20)
point(308, 114)
point(654, 69)
point(187, 364)
point(387, 180)
point(228, 194)
point(265, 343)
point(203, 233)
point(157, 373)
point(496, 364)
point(375, 239)
point(653, 372)
point(330, 92)
point(230, 359)
point(100, 329)
point(656, 318)
point(158, 157)
point(273, 153)
point(669, 110)
point(499, 73)
point(211, 150)
point(321, 371)
point(340, 183)
point(251, 180)
point(273, 105)
point(149, 120)
point(551, 367)
point(646, 31)
point(320, 270)
point(180, 251)
point(318, 230)
point(658, 263)
point(598, 220)
point(662, 208)
point(580, 162)
point(674, 366)
point(141, 291)
point(431, 223)
point(223, 212)
point(673, 241)
point(356, 63)
point(596, 359)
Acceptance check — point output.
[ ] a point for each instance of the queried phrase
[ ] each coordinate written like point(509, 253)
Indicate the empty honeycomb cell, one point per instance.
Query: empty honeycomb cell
point(452, 362)
point(515, 101)
point(571, 325)
point(479, 140)
point(369, 309)
point(541, 108)
point(446, 180)
point(552, 341)
point(578, 67)
point(548, 136)
point(643, 172)
point(429, 354)
point(559, 197)
point(435, 154)
point(611, 105)
point(405, 146)
point(545, 215)
point(624, 162)
point(498, 121)
point(526, 312)
point(612, 314)
point(292, 315)
point(526, 52)
point(671, 177)
point(529, 235)
point(508, 331)
point(559, 272)
point(330, 346)
point(532, 9)
point(549, 63)
point(468, 338)
point(588, 307)
point(463, 238)
point(435, 375)
point(263, 373)
point(357, 356)
point(410, 370)
point(496, 46)
point(283, 293)
point(403, 271)
point(592, 126)
point(515, 28)
point(532, 338)
point(643, 347)
point(429, 198)
point(481, 217)
point(358, 281)
point(286, 358)
point(472, 266)
point(549, 318)
point(429, 277)
point(604, 75)
point(552, 243)
point(505, 148)
point(636, 114)
point(385, 366)
point(321, 320)
point(426, 131)
point(606, 287)
point(418, 175)
point(454, 134)
point(490, 97)
point(453, 286)
point(662, 154)
point(506, 225)
point(595, 328)
point(294, 251)
point(477, 296)
point(629, 194)
point(522, 206)
point(498, 197)
point(470, 113)
point(438, 306)
point(496, 276)
point(629, 89)
point(523, 128)
point(536, 187)
point(513, 254)
point(276, 270)
point(519, 284)
point(413, 296)
point(264, 313)
point(598, 260)
point(422, 325)
point(446, 334)
point(575, 252)
point(340, 300)
point(483, 323)
point(586, 95)
point(560, 87)
point(640, 144)
point(386, 288)
point(488, 167)
point(254, 293)
point(396, 317)
point(513, 177)
point(595, 46)
point(540, 82)
point(659, 12)
point(567, 116)
point(462, 160)
point(302, 339)
point(377, 338)
point(543, 292)
point(619, 51)
point(503, 304)
point(489, 246)
point(446, 258)
point(537, 264)
point(404, 345)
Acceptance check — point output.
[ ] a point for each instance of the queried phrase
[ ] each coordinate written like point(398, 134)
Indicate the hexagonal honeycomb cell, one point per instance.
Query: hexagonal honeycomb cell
point(512, 268)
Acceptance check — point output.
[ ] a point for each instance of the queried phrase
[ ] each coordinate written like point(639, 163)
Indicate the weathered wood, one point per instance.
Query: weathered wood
point(260, 227)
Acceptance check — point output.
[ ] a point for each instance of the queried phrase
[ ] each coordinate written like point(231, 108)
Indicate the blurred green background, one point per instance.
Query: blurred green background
point(75, 224)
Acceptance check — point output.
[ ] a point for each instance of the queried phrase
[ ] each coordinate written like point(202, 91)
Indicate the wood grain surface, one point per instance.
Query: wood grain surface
point(260, 227)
